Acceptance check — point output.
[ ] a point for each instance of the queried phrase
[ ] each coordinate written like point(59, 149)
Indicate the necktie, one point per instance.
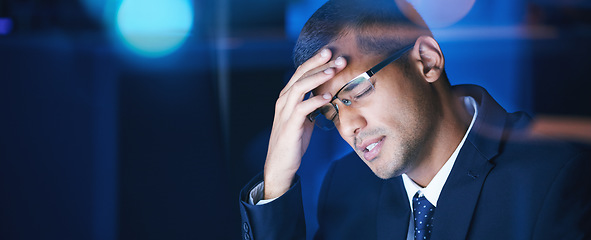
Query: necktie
point(423, 215)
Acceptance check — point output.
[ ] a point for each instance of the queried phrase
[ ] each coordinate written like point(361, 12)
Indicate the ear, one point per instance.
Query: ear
point(429, 58)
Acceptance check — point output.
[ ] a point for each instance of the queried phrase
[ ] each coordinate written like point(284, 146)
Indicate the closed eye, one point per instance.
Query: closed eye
point(364, 92)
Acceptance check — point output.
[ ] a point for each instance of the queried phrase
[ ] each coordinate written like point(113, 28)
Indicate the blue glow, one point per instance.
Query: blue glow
point(94, 8)
point(5, 26)
point(154, 28)
point(297, 14)
point(439, 14)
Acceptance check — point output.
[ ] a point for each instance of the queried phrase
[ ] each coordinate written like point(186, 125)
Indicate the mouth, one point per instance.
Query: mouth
point(371, 149)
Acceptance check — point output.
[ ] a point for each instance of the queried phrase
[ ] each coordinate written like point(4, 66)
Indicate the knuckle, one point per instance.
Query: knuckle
point(300, 68)
point(279, 104)
point(300, 109)
point(297, 86)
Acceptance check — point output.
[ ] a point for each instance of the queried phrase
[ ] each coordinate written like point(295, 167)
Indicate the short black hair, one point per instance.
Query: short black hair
point(335, 17)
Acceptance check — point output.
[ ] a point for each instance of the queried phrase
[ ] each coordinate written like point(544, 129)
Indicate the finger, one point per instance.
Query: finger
point(322, 57)
point(309, 106)
point(338, 63)
point(330, 68)
point(300, 88)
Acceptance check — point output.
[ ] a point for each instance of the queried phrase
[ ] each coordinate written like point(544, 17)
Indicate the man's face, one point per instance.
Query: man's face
point(393, 128)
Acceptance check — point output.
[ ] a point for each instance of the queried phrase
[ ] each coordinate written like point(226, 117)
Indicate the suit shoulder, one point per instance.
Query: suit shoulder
point(540, 149)
point(537, 161)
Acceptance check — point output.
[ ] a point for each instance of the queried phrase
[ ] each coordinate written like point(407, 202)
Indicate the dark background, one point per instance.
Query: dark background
point(97, 142)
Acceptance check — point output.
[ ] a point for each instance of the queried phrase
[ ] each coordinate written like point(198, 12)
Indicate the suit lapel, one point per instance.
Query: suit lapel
point(460, 194)
point(393, 211)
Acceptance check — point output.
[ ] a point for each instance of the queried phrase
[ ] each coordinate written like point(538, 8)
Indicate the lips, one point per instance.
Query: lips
point(371, 148)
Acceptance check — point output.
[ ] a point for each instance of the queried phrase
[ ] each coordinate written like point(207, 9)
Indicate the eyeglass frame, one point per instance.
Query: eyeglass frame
point(366, 76)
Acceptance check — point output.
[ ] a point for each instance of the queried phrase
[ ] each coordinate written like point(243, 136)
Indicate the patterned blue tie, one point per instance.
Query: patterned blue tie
point(423, 215)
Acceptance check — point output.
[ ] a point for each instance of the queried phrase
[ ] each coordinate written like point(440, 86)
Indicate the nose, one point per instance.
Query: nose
point(351, 120)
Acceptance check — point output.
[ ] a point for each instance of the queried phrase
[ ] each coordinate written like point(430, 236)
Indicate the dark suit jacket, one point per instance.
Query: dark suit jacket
point(503, 185)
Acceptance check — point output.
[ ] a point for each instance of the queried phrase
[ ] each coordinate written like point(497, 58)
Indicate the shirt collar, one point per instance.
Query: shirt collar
point(432, 191)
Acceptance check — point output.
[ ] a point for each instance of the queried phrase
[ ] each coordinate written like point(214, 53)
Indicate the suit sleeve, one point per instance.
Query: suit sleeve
point(282, 218)
point(566, 213)
point(321, 215)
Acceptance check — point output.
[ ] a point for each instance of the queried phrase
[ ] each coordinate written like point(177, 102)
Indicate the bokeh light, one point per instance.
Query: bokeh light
point(154, 28)
point(437, 13)
point(5, 26)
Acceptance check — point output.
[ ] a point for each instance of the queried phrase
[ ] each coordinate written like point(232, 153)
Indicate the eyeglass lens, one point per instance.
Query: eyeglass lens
point(350, 95)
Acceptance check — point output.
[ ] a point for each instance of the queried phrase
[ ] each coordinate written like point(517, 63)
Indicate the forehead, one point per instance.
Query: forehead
point(357, 63)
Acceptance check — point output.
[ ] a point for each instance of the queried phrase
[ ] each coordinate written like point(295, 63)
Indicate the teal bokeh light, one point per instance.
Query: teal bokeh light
point(154, 28)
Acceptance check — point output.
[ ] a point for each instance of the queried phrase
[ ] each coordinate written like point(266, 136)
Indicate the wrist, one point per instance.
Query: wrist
point(275, 186)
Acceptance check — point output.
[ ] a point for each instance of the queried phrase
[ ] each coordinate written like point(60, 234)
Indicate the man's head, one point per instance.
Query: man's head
point(339, 17)
point(395, 127)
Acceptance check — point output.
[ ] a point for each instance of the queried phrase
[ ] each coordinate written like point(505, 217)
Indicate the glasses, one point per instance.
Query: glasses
point(352, 93)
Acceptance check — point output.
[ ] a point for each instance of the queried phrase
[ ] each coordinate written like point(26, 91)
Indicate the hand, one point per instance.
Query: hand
point(292, 130)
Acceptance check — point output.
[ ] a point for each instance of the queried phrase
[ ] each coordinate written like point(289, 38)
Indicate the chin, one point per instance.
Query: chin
point(386, 172)
point(386, 175)
point(388, 169)
point(383, 176)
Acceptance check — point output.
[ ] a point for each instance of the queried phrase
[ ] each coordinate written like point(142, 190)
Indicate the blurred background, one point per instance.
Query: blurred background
point(142, 119)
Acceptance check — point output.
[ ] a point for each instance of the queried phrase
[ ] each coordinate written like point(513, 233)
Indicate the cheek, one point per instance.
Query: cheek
point(386, 110)
point(399, 104)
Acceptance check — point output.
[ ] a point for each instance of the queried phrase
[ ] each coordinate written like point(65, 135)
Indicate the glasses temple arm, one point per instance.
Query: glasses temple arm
point(388, 60)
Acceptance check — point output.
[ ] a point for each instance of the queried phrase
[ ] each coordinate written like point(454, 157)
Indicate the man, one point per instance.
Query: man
point(433, 161)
